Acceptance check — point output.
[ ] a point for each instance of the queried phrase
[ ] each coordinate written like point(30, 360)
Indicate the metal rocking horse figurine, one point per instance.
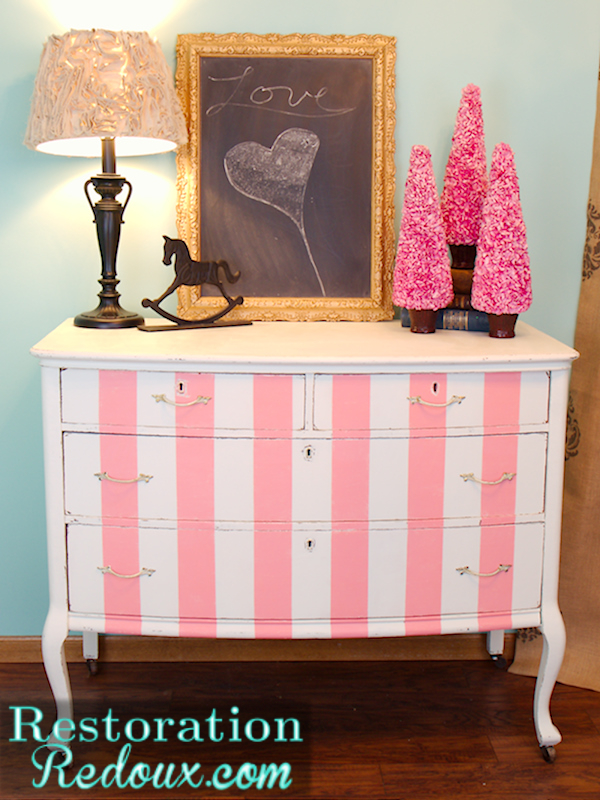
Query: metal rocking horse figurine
point(193, 273)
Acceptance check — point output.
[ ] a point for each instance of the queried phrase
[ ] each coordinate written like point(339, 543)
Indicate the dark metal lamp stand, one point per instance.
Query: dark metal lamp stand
point(108, 216)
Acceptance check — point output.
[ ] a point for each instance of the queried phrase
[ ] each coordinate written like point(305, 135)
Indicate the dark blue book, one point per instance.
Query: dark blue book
point(455, 319)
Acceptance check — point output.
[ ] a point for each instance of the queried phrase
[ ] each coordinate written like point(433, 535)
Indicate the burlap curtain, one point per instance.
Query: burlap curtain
point(580, 554)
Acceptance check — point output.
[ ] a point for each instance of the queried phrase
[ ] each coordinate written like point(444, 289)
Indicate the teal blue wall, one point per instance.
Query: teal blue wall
point(536, 62)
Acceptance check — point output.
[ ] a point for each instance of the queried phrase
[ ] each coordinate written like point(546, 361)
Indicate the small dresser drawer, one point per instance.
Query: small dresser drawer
point(123, 401)
point(423, 401)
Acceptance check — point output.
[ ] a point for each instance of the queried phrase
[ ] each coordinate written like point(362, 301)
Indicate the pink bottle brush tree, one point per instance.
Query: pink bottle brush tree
point(422, 278)
point(465, 181)
point(502, 279)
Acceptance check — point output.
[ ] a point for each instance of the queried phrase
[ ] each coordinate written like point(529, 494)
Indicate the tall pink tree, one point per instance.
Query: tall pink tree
point(465, 180)
point(422, 278)
point(502, 278)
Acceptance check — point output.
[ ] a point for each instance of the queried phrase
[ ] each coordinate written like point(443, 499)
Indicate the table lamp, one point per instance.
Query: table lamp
point(93, 89)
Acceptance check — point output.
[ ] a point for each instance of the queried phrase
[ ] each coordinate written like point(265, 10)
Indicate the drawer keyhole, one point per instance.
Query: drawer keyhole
point(310, 545)
point(309, 452)
point(181, 387)
point(434, 388)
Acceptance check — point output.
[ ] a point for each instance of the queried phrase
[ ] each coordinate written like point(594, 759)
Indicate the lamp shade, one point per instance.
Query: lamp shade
point(99, 84)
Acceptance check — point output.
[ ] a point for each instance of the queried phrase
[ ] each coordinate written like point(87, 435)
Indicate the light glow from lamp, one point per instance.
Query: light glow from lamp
point(104, 84)
point(90, 146)
point(112, 14)
point(94, 89)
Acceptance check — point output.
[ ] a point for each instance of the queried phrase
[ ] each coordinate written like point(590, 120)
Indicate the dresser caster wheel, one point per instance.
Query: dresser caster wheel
point(92, 666)
point(549, 754)
point(500, 662)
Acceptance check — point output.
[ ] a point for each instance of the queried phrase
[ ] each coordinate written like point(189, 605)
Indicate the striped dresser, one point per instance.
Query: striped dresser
point(303, 480)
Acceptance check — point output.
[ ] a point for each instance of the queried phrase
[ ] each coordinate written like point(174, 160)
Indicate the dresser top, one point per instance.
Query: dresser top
point(293, 345)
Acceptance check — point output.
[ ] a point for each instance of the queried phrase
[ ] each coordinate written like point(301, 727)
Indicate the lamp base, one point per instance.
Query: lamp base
point(111, 317)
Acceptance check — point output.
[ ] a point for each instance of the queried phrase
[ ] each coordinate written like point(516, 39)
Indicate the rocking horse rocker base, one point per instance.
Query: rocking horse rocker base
point(207, 322)
point(194, 273)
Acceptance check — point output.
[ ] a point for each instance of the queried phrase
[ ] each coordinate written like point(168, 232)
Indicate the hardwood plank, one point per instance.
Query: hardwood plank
point(370, 730)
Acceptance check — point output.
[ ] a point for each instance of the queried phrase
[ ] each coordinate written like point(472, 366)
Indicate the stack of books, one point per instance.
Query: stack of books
point(455, 319)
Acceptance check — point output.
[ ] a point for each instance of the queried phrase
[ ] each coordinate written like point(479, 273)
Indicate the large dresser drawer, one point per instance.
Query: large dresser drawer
point(125, 477)
point(305, 581)
point(123, 401)
point(423, 401)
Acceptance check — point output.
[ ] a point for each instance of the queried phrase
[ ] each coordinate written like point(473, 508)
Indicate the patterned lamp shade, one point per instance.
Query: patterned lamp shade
point(98, 84)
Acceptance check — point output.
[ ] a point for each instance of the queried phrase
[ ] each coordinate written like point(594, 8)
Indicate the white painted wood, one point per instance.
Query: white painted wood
point(530, 486)
point(86, 582)
point(311, 579)
point(89, 643)
point(311, 479)
point(460, 593)
point(527, 566)
point(157, 456)
point(469, 412)
point(387, 574)
point(234, 571)
point(388, 486)
point(272, 347)
point(389, 405)
point(312, 354)
point(495, 643)
point(233, 476)
point(159, 595)
point(79, 395)
point(234, 402)
point(83, 490)
point(464, 454)
point(535, 390)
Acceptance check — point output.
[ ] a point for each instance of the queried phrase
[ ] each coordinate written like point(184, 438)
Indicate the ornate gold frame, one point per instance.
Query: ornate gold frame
point(381, 50)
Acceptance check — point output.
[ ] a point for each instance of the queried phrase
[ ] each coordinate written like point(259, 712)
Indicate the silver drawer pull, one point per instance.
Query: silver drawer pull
point(162, 398)
point(469, 571)
point(418, 399)
point(140, 574)
point(104, 476)
point(506, 476)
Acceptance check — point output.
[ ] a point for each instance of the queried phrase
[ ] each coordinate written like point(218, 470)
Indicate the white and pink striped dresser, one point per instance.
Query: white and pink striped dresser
point(303, 480)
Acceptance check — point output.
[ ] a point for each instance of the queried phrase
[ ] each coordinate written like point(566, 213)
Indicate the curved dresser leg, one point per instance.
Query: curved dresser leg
point(53, 652)
point(553, 632)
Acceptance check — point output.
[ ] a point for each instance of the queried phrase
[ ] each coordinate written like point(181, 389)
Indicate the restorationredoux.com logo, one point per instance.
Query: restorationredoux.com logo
point(53, 757)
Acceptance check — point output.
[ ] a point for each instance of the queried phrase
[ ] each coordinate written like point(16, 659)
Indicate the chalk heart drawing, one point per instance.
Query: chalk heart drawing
point(277, 175)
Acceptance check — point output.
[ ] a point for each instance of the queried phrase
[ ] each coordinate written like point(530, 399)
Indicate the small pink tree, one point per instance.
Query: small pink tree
point(465, 181)
point(422, 278)
point(502, 280)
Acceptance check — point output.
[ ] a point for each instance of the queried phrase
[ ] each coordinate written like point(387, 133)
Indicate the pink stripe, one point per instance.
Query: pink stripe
point(498, 502)
point(426, 474)
point(117, 400)
point(501, 399)
point(351, 411)
point(424, 578)
point(195, 506)
point(495, 594)
point(273, 411)
point(121, 595)
point(117, 404)
point(499, 456)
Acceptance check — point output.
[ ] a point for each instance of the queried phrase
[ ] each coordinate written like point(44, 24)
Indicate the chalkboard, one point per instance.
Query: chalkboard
point(291, 170)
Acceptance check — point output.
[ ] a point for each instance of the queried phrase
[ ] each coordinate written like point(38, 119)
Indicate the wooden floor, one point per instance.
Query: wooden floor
point(414, 730)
